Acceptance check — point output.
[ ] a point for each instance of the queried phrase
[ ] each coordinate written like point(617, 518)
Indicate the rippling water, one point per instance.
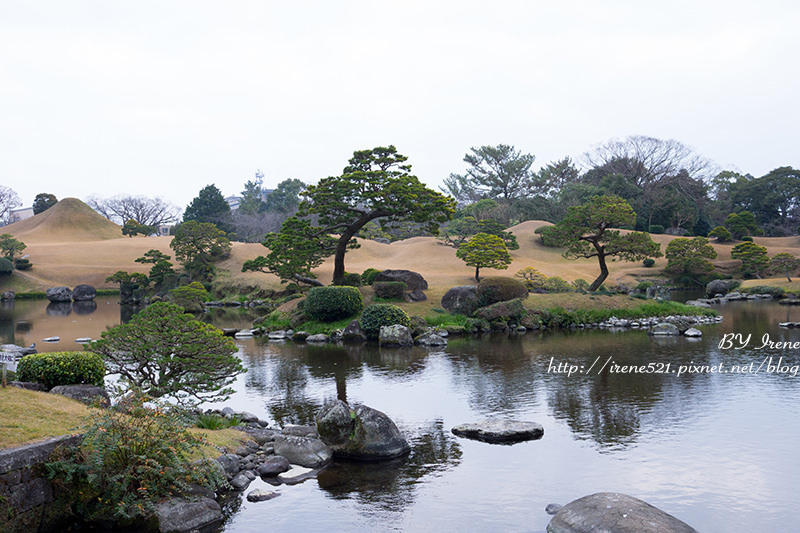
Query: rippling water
point(716, 450)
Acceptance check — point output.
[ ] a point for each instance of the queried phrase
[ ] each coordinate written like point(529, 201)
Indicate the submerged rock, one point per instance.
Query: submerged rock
point(261, 495)
point(303, 451)
point(614, 512)
point(500, 431)
point(665, 329)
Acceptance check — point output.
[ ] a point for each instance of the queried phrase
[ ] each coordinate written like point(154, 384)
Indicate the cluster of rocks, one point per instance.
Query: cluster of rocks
point(729, 297)
point(81, 293)
point(395, 335)
point(247, 304)
point(660, 326)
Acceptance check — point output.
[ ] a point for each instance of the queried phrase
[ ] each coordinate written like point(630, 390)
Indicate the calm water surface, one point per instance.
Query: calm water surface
point(716, 450)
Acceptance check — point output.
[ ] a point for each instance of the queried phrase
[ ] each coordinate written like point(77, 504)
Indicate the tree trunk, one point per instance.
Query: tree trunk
point(601, 258)
point(311, 281)
point(477, 271)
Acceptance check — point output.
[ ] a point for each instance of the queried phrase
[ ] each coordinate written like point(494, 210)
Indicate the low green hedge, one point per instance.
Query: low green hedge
point(328, 304)
point(389, 289)
point(377, 315)
point(62, 368)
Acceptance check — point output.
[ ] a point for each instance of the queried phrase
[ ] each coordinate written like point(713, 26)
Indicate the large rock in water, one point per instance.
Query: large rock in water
point(462, 299)
point(84, 293)
point(412, 280)
point(718, 286)
point(180, 514)
point(59, 294)
point(359, 432)
point(614, 512)
point(395, 335)
point(303, 451)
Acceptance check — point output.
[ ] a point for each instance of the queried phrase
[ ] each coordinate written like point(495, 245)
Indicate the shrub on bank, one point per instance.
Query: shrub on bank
point(328, 304)
point(389, 289)
point(377, 315)
point(62, 368)
point(492, 290)
point(350, 280)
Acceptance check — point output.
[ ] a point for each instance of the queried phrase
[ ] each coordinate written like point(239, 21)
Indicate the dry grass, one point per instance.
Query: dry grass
point(29, 416)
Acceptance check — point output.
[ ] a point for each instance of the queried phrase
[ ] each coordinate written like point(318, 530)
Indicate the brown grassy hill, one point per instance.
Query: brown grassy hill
point(70, 220)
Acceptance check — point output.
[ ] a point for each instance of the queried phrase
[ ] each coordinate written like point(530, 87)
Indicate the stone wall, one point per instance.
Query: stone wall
point(25, 494)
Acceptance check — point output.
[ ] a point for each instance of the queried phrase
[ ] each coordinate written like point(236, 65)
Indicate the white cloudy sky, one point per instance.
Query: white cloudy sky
point(161, 98)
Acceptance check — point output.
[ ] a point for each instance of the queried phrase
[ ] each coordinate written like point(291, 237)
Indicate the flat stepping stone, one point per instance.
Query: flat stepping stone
point(500, 431)
point(296, 474)
point(83, 340)
point(51, 339)
point(261, 495)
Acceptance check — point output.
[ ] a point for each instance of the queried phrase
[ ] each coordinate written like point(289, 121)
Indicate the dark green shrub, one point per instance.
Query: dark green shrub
point(369, 275)
point(658, 229)
point(644, 285)
point(191, 296)
point(6, 266)
point(649, 262)
point(62, 368)
point(511, 309)
point(775, 292)
point(328, 304)
point(721, 233)
point(131, 460)
point(499, 289)
point(377, 315)
point(22, 264)
point(214, 421)
point(350, 280)
point(747, 238)
point(548, 234)
point(580, 284)
point(557, 284)
point(389, 289)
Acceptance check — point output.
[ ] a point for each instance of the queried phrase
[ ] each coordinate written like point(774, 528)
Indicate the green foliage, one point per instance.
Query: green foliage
point(250, 202)
point(328, 304)
point(649, 262)
point(688, 258)
point(389, 289)
point(376, 185)
point(191, 297)
point(644, 285)
point(9, 246)
point(198, 245)
point(461, 229)
point(741, 224)
point(6, 266)
point(22, 264)
point(500, 289)
point(721, 233)
point(210, 207)
point(747, 238)
point(130, 460)
point(286, 196)
point(580, 285)
point(656, 229)
point(369, 275)
point(785, 264)
point(494, 172)
point(62, 368)
point(215, 422)
point(532, 278)
point(350, 280)
point(164, 352)
point(382, 314)
point(558, 317)
point(775, 292)
point(484, 251)
point(131, 228)
point(557, 284)
point(43, 202)
point(753, 257)
point(585, 232)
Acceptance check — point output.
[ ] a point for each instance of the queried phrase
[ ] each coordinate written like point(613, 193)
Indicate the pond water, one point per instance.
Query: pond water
point(717, 450)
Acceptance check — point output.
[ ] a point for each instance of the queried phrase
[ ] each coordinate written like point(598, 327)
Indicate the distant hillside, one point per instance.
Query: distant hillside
point(70, 220)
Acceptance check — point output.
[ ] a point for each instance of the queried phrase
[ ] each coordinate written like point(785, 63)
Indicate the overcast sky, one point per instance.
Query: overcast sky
point(161, 98)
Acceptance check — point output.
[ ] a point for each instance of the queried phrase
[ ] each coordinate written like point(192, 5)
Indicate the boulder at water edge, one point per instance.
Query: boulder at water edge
point(359, 432)
point(84, 293)
point(665, 329)
point(614, 512)
point(500, 431)
point(303, 451)
point(462, 299)
point(59, 294)
point(396, 335)
point(180, 514)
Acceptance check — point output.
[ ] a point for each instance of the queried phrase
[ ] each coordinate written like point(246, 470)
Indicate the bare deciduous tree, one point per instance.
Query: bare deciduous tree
point(8, 201)
point(146, 211)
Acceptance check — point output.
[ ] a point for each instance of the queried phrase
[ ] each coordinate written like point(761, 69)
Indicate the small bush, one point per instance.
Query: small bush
point(580, 284)
point(557, 284)
point(214, 421)
point(499, 289)
point(747, 238)
point(328, 304)
point(350, 280)
point(369, 275)
point(649, 262)
point(657, 229)
point(191, 296)
point(775, 292)
point(62, 368)
point(721, 233)
point(389, 289)
point(644, 285)
point(6, 266)
point(377, 315)
point(22, 264)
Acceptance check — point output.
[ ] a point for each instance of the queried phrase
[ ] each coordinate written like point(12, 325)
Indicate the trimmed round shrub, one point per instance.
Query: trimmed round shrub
point(328, 304)
point(377, 315)
point(747, 238)
point(499, 289)
point(6, 266)
point(649, 262)
point(350, 280)
point(389, 289)
point(369, 275)
point(22, 264)
point(557, 284)
point(657, 229)
point(62, 368)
